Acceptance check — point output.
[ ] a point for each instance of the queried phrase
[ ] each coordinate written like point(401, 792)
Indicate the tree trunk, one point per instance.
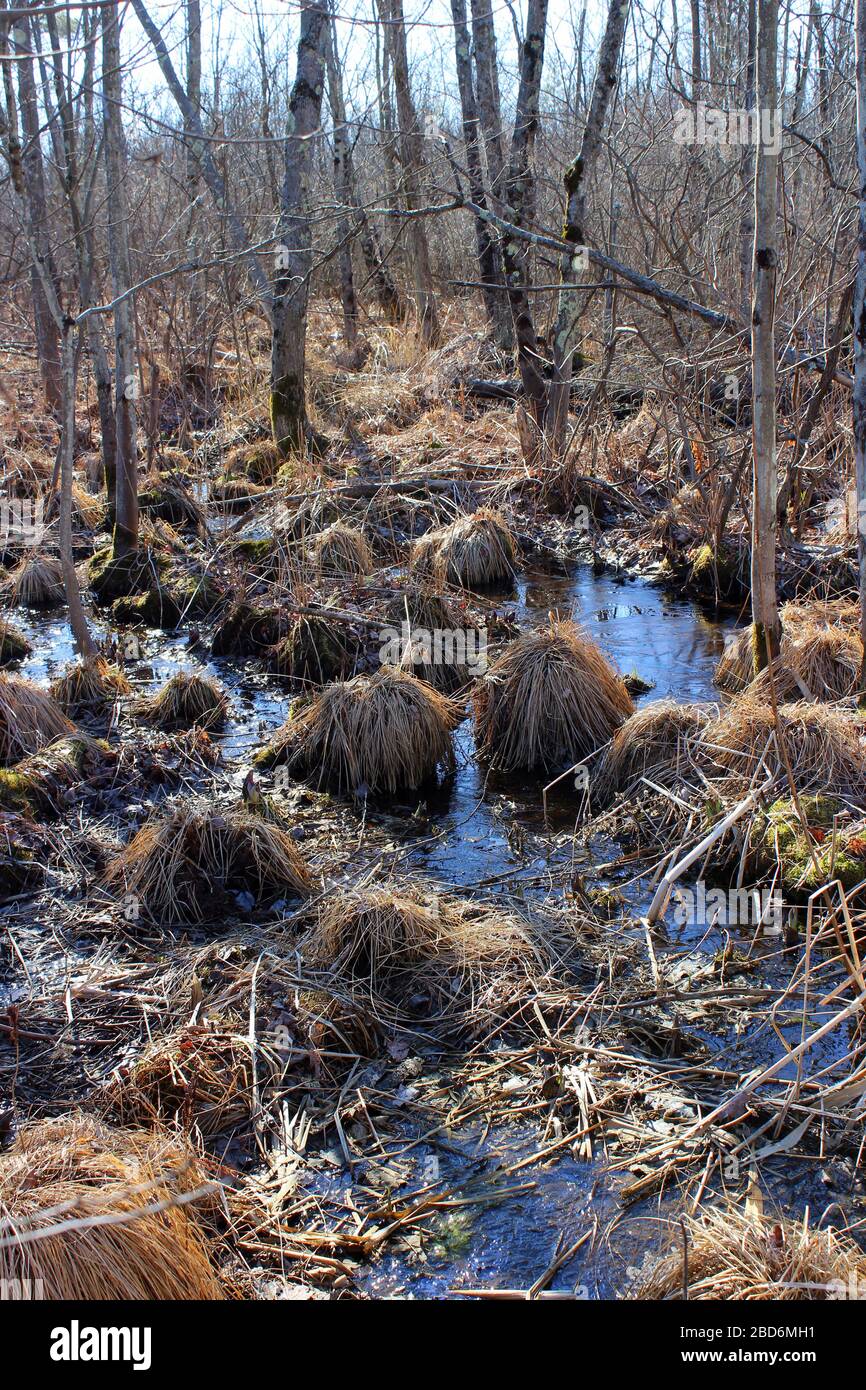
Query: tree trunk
point(125, 372)
point(859, 395)
point(520, 198)
point(77, 617)
point(342, 188)
point(492, 279)
point(294, 245)
point(577, 179)
point(411, 149)
point(747, 165)
point(765, 262)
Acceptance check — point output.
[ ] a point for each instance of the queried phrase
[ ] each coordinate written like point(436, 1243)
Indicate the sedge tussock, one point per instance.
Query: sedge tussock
point(820, 650)
point(45, 781)
point(257, 461)
point(89, 687)
point(824, 745)
point(654, 742)
point(396, 943)
point(199, 1077)
point(186, 701)
point(182, 865)
point(737, 1254)
point(379, 733)
point(421, 610)
point(29, 719)
point(315, 650)
point(76, 1169)
point(14, 646)
point(342, 551)
point(551, 698)
point(35, 582)
point(472, 552)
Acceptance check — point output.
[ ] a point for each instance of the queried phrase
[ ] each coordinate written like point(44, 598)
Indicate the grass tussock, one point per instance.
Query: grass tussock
point(186, 701)
point(14, 646)
point(408, 944)
point(35, 582)
point(198, 1078)
point(420, 612)
point(45, 782)
point(315, 650)
point(90, 687)
point(29, 719)
point(819, 658)
point(654, 742)
point(551, 698)
point(472, 552)
point(181, 866)
point(343, 551)
point(103, 1179)
point(378, 733)
point(738, 1254)
point(258, 461)
point(823, 744)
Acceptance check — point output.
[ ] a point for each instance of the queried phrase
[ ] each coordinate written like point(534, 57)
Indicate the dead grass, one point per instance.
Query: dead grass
point(820, 649)
point(737, 1254)
point(78, 1170)
point(181, 866)
point(374, 733)
point(427, 612)
point(29, 718)
point(473, 551)
point(198, 1077)
point(407, 943)
point(14, 646)
point(35, 582)
point(315, 650)
point(257, 461)
point(185, 701)
point(824, 746)
point(551, 698)
point(342, 551)
point(654, 742)
point(89, 687)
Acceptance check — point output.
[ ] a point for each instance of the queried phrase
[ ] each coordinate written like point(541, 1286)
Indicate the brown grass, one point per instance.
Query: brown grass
point(425, 610)
point(735, 1254)
point(473, 551)
point(257, 461)
point(824, 745)
point(341, 550)
point(378, 733)
point(181, 865)
point(14, 646)
point(29, 718)
point(315, 650)
point(89, 687)
point(197, 1077)
point(551, 698)
point(36, 582)
point(185, 701)
point(820, 645)
point(76, 1169)
point(654, 742)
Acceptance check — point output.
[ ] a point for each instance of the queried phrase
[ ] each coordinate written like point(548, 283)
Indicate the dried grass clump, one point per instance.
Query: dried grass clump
point(738, 1254)
point(341, 550)
point(35, 582)
point(820, 651)
point(14, 646)
point(473, 551)
point(29, 718)
point(824, 746)
point(655, 742)
point(551, 698)
point(181, 866)
point(376, 733)
point(315, 651)
point(408, 944)
point(423, 611)
point(46, 781)
point(90, 687)
point(257, 461)
point(198, 1077)
point(78, 1169)
point(185, 701)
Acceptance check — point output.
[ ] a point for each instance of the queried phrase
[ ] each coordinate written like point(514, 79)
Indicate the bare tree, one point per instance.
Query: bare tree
point(342, 188)
point(859, 395)
point(765, 613)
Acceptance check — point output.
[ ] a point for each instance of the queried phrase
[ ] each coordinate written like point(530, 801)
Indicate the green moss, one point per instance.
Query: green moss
point(246, 631)
point(112, 577)
point(253, 550)
point(154, 608)
point(781, 832)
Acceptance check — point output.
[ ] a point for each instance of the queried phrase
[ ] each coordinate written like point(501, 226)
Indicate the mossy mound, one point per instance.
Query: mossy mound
point(14, 646)
point(719, 572)
point(155, 608)
point(171, 502)
point(42, 784)
point(315, 651)
point(234, 494)
point(825, 855)
point(113, 577)
point(257, 461)
point(247, 631)
point(254, 551)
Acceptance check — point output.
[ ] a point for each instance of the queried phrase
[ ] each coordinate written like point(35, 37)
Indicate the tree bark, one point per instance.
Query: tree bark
point(859, 394)
point(342, 188)
point(125, 369)
point(577, 179)
point(294, 249)
point(765, 614)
